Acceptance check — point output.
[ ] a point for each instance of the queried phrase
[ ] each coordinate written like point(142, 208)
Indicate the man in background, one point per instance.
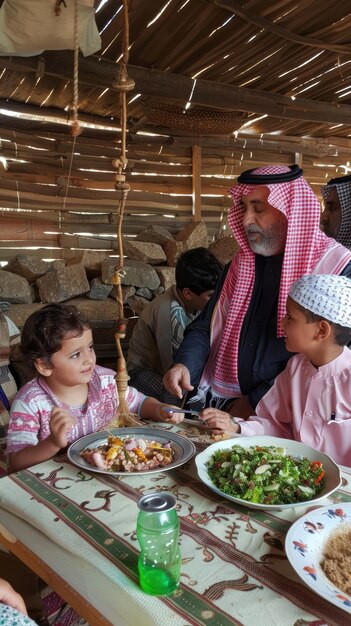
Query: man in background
point(336, 216)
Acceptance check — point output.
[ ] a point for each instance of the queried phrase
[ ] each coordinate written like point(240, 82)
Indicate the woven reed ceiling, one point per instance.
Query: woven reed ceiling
point(284, 67)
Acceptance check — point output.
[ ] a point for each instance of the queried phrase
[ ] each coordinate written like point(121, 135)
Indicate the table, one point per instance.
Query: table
point(77, 530)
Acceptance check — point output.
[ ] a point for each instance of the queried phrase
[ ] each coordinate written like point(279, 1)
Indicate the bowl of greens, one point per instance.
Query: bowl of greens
point(263, 472)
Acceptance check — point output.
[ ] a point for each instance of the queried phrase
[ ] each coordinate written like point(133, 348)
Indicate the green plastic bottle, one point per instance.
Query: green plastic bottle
point(157, 531)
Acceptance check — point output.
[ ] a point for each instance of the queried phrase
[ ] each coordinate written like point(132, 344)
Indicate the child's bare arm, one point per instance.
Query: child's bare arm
point(60, 423)
point(31, 455)
point(152, 409)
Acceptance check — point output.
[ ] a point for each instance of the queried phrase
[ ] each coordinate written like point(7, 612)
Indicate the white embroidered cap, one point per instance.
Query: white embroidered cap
point(326, 295)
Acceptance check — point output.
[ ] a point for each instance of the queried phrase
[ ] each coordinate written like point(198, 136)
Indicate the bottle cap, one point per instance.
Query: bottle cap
point(156, 502)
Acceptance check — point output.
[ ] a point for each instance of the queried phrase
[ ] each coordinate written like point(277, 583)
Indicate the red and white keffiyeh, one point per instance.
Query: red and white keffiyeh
point(342, 185)
point(307, 251)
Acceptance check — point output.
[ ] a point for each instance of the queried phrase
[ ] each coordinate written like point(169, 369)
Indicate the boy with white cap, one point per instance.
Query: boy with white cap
point(310, 400)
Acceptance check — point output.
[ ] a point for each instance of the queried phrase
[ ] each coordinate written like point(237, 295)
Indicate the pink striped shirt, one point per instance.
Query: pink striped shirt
point(31, 410)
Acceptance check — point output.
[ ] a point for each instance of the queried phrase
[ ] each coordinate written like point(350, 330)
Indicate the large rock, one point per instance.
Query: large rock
point(194, 235)
point(57, 264)
point(91, 260)
point(98, 289)
point(137, 303)
point(62, 284)
point(93, 310)
point(136, 273)
point(18, 313)
point(144, 292)
point(154, 234)
point(127, 292)
point(15, 289)
point(166, 275)
point(224, 249)
point(173, 249)
point(144, 251)
point(96, 310)
point(30, 267)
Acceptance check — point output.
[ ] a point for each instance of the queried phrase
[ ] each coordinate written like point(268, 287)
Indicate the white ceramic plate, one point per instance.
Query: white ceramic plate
point(294, 448)
point(304, 546)
point(183, 448)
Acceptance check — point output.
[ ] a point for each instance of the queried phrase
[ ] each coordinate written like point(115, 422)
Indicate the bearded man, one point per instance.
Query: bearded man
point(234, 350)
point(336, 217)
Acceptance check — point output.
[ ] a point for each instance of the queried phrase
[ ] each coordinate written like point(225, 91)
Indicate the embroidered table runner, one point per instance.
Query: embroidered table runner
point(234, 568)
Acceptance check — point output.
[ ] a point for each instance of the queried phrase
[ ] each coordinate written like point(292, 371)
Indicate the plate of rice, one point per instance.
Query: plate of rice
point(318, 546)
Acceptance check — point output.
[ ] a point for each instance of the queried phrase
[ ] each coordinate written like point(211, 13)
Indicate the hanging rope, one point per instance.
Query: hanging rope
point(73, 109)
point(75, 128)
point(69, 174)
point(124, 84)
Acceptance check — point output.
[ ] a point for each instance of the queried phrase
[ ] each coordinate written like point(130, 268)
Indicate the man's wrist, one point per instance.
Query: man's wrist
point(235, 423)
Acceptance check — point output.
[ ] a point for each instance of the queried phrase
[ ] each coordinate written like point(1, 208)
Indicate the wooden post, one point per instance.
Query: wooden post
point(196, 183)
point(298, 158)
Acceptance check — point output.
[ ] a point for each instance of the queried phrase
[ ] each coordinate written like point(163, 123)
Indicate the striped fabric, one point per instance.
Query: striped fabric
point(31, 410)
point(344, 193)
point(179, 320)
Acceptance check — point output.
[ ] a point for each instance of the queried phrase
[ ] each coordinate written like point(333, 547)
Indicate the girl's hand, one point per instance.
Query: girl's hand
point(219, 421)
point(164, 416)
point(60, 423)
point(10, 597)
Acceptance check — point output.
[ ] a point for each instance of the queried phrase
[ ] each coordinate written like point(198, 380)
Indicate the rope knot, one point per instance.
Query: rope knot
point(76, 129)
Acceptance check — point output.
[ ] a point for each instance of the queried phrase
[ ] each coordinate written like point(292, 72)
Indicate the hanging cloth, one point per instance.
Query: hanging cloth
point(28, 27)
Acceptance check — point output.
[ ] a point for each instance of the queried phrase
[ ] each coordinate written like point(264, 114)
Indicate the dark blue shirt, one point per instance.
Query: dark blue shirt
point(262, 355)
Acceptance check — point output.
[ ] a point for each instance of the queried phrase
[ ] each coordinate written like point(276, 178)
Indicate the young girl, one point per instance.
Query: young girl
point(310, 400)
point(72, 396)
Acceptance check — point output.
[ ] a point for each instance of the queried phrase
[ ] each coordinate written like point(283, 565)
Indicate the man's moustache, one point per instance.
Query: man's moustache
point(253, 230)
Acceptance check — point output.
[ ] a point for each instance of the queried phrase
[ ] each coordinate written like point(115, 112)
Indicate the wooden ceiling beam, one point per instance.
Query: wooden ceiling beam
point(100, 72)
point(282, 33)
point(139, 146)
point(89, 196)
point(313, 145)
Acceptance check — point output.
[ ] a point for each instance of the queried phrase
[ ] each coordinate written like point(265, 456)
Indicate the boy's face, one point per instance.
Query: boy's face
point(74, 363)
point(299, 333)
point(198, 302)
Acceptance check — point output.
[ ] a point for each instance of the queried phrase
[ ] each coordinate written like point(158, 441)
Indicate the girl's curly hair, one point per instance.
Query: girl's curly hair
point(45, 329)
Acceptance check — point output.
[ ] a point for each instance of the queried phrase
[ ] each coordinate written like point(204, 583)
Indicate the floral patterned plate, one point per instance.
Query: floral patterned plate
point(304, 545)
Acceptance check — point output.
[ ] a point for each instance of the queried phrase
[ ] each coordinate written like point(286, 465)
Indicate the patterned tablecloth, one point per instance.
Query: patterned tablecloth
point(234, 568)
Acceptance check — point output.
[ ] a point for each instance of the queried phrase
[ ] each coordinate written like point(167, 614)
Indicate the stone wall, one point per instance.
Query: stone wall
point(85, 280)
